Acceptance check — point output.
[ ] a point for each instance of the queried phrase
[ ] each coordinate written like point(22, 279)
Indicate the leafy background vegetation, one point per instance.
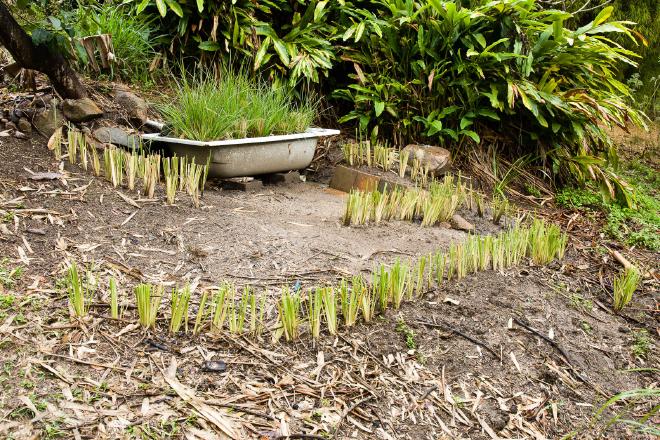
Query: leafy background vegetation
point(533, 81)
point(639, 226)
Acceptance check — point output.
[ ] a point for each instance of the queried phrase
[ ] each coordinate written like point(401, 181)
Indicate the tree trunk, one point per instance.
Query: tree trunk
point(19, 44)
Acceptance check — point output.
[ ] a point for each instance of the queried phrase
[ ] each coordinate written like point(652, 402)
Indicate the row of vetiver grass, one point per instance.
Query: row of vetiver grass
point(326, 307)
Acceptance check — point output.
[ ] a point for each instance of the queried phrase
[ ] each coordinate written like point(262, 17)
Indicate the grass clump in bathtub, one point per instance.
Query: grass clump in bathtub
point(233, 106)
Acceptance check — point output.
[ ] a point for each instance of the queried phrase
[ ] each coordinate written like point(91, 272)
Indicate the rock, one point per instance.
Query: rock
point(20, 135)
point(10, 126)
point(214, 366)
point(458, 222)
point(80, 110)
point(47, 122)
point(115, 136)
point(437, 159)
point(134, 108)
point(24, 126)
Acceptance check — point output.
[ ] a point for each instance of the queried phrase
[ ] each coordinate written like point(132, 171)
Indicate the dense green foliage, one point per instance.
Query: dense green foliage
point(62, 27)
point(447, 72)
point(534, 81)
point(233, 106)
point(645, 80)
point(282, 38)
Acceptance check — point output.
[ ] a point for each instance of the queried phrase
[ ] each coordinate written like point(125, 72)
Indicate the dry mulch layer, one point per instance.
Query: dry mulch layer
point(531, 352)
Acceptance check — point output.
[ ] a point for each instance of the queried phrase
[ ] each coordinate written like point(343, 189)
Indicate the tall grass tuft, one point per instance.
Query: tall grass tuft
point(150, 169)
point(114, 299)
point(80, 291)
point(330, 308)
point(350, 298)
point(289, 311)
point(546, 242)
point(171, 173)
point(132, 37)
point(179, 309)
point(624, 287)
point(148, 299)
point(237, 310)
point(233, 106)
point(314, 311)
point(201, 313)
point(220, 307)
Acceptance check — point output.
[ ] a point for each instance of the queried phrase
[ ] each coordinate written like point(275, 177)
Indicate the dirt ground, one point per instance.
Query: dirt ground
point(464, 362)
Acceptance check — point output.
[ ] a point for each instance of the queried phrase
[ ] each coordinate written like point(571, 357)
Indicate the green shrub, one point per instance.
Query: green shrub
point(450, 72)
point(132, 37)
point(234, 106)
point(454, 74)
point(281, 38)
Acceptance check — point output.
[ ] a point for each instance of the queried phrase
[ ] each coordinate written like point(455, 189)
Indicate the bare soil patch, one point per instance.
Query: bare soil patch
point(109, 379)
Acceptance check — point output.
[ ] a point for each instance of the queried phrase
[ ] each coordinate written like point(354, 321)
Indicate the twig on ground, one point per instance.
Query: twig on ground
point(300, 436)
point(447, 327)
point(555, 345)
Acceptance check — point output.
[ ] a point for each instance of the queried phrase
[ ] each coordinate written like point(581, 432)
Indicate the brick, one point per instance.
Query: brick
point(343, 178)
point(281, 178)
point(243, 185)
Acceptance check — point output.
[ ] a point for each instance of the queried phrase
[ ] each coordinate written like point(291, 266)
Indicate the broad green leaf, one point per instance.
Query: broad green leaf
point(448, 111)
point(489, 47)
point(318, 11)
point(481, 40)
point(451, 133)
point(603, 15)
point(349, 32)
point(379, 106)
point(471, 134)
point(57, 24)
point(359, 31)
point(175, 7)
point(465, 122)
point(280, 48)
point(41, 36)
point(420, 40)
point(162, 8)
point(200, 5)
point(142, 6)
point(558, 29)
point(436, 126)
point(258, 59)
point(488, 113)
point(81, 53)
point(210, 46)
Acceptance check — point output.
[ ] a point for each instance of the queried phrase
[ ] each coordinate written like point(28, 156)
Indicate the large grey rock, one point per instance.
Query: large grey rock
point(134, 108)
point(48, 121)
point(458, 222)
point(115, 136)
point(436, 159)
point(81, 110)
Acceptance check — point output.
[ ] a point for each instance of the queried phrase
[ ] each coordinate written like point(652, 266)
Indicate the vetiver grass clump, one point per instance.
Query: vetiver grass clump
point(233, 107)
point(333, 307)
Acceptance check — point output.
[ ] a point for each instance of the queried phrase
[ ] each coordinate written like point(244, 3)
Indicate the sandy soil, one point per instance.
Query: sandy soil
point(458, 363)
